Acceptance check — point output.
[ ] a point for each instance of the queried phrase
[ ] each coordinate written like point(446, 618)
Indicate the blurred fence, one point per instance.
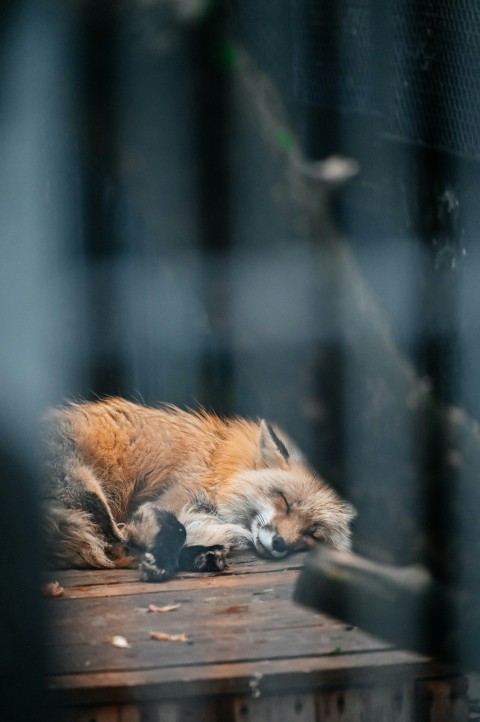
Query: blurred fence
point(168, 235)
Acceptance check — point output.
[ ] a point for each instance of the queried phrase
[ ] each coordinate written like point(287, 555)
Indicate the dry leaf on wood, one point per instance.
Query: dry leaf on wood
point(167, 608)
point(119, 641)
point(164, 637)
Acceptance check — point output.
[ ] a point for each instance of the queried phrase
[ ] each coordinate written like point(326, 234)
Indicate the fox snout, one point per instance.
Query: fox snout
point(269, 543)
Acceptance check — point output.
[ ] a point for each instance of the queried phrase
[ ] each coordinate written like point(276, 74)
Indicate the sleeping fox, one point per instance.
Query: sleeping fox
point(172, 489)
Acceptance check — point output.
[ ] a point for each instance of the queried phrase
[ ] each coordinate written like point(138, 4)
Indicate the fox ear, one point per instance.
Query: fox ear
point(271, 450)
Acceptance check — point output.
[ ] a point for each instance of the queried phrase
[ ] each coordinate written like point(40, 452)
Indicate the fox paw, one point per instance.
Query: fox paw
point(212, 559)
point(150, 572)
point(204, 559)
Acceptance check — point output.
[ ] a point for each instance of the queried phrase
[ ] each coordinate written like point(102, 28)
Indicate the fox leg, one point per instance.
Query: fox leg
point(157, 537)
point(200, 558)
point(209, 541)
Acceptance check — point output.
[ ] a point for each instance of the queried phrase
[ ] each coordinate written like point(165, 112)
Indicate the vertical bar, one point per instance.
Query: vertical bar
point(98, 30)
point(211, 123)
point(35, 297)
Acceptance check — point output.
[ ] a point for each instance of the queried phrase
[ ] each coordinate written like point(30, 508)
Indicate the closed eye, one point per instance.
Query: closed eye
point(284, 498)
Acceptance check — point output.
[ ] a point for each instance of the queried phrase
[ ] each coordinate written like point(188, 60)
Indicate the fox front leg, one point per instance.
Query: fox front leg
point(209, 541)
point(200, 558)
point(156, 537)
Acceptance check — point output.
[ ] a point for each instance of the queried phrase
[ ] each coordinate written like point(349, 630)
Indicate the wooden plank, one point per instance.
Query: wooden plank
point(394, 703)
point(270, 676)
point(197, 614)
point(208, 589)
point(196, 710)
point(442, 700)
point(282, 708)
point(210, 649)
point(244, 564)
point(206, 582)
point(240, 620)
point(250, 641)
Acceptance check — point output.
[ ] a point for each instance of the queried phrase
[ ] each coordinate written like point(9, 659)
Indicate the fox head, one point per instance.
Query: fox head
point(283, 504)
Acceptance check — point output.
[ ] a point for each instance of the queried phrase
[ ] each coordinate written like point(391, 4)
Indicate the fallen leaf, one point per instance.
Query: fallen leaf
point(53, 589)
point(167, 608)
point(119, 641)
point(164, 637)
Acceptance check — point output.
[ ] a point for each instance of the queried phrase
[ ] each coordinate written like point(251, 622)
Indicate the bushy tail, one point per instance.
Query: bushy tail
point(72, 540)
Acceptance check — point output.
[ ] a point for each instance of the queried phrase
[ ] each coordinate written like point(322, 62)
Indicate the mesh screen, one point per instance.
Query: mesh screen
point(326, 54)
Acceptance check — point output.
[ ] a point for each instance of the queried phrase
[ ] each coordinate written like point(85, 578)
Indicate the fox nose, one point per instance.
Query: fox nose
point(279, 545)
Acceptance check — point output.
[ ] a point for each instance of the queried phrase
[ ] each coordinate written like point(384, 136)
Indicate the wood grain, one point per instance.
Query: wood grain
point(300, 708)
point(204, 581)
point(240, 563)
point(255, 655)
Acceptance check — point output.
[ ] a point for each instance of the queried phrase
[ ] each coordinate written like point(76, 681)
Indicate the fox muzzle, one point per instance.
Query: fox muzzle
point(269, 543)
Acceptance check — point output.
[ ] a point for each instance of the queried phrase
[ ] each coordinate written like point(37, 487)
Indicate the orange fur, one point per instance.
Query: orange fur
point(252, 479)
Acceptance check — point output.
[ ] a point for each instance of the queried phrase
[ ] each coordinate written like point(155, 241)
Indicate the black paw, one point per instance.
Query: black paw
point(203, 559)
point(151, 572)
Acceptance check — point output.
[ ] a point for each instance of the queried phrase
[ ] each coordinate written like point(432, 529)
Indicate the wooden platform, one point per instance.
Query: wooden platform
point(252, 655)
